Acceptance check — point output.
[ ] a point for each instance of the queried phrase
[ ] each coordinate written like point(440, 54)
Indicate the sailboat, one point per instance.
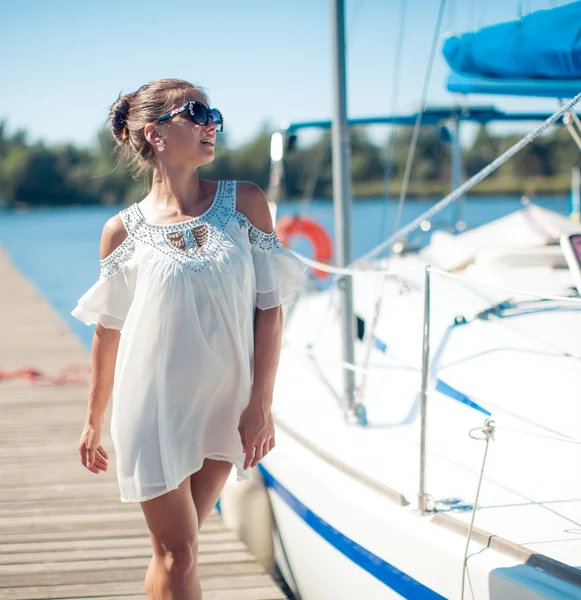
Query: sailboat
point(427, 404)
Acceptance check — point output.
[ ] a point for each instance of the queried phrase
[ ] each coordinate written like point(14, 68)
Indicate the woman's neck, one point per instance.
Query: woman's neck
point(179, 190)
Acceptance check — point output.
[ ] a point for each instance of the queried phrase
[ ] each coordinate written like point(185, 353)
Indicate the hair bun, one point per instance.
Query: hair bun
point(118, 119)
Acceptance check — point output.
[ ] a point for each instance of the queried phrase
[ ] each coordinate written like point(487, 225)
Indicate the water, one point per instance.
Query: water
point(58, 249)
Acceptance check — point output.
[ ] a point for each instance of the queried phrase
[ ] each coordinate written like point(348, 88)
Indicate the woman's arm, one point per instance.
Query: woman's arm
point(257, 428)
point(251, 201)
point(267, 343)
point(103, 357)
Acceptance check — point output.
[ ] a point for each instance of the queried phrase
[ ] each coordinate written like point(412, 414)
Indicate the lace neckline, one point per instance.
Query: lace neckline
point(181, 224)
point(194, 242)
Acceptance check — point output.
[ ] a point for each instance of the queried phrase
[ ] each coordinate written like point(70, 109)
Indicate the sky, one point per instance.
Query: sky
point(64, 62)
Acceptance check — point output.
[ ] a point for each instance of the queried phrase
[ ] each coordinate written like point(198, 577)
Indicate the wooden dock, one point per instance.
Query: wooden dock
point(63, 531)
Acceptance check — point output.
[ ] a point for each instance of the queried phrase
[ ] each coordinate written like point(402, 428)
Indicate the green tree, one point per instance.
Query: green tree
point(485, 148)
point(65, 173)
point(431, 160)
point(34, 177)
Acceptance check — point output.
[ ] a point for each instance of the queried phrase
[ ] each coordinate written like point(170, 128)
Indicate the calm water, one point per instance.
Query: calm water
point(58, 249)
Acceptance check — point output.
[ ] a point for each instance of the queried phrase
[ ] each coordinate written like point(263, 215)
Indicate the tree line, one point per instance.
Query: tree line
point(64, 174)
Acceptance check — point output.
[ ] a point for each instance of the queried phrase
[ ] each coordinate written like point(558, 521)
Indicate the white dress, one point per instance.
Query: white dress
point(184, 296)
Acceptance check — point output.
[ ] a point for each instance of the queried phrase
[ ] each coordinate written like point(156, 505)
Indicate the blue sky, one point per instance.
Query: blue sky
point(65, 62)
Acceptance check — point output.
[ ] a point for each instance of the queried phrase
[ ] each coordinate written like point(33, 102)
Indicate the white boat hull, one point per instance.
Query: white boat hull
point(344, 496)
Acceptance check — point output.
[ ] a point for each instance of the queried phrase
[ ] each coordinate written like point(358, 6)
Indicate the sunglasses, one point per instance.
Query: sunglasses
point(199, 113)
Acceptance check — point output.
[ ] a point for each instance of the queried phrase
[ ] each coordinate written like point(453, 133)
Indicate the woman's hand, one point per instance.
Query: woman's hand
point(257, 434)
point(93, 455)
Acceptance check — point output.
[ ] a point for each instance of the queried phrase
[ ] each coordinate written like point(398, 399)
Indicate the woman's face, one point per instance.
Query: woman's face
point(185, 142)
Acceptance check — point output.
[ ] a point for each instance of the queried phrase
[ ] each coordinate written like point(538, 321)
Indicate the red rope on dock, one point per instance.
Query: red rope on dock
point(69, 374)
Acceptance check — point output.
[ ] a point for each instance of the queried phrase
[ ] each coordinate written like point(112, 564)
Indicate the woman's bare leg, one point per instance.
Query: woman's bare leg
point(207, 485)
point(204, 488)
point(150, 577)
point(173, 525)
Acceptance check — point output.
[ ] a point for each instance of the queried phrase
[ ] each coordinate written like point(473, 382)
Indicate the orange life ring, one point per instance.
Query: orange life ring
point(287, 227)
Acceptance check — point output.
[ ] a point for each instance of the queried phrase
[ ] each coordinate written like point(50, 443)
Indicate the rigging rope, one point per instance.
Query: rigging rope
point(416, 131)
point(565, 440)
point(393, 109)
point(451, 15)
point(482, 16)
point(353, 22)
point(573, 115)
point(464, 281)
point(313, 178)
point(487, 434)
point(523, 10)
point(407, 174)
point(472, 17)
point(505, 289)
point(315, 264)
point(568, 119)
point(350, 272)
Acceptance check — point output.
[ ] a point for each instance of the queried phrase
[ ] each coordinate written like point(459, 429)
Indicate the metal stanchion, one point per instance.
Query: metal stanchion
point(422, 495)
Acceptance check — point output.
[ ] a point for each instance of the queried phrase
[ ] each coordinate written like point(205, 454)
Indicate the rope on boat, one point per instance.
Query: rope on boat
point(484, 433)
point(352, 271)
point(406, 179)
point(314, 264)
point(390, 146)
point(566, 440)
point(417, 124)
point(463, 279)
point(570, 119)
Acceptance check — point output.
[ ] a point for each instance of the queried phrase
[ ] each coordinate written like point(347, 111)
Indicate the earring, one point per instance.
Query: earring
point(160, 145)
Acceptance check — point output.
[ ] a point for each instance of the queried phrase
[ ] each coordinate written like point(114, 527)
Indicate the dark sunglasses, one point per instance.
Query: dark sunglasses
point(199, 113)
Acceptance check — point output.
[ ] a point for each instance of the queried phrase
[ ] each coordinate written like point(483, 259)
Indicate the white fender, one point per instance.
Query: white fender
point(245, 509)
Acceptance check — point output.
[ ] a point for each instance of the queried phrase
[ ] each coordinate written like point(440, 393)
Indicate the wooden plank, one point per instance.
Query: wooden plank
point(107, 542)
point(100, 571)
point(78, 525)
point(104, 533)
point(265, 593)
point(131, 591)
point(218, 584)
point(116, 552)
point(64, 533)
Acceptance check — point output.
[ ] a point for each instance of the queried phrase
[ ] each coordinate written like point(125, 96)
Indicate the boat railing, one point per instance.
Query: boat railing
point(357, 413)
point(429, 272)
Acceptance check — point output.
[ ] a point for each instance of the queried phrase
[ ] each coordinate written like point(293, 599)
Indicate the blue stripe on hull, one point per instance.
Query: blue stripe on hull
point(389, 575)
point(453, 393)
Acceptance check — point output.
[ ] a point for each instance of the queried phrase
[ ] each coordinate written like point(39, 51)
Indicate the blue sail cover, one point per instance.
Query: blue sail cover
point(544, 44)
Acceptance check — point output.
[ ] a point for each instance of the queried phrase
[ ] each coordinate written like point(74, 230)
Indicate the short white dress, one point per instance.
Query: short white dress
point(184, 296)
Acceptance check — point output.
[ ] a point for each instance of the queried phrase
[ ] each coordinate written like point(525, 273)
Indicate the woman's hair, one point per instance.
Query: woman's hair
point(130, 113)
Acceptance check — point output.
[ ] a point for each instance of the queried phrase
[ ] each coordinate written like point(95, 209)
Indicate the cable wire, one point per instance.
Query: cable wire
point(416, 131)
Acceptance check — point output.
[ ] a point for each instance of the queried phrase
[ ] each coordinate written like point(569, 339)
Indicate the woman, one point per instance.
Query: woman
point(188, 328)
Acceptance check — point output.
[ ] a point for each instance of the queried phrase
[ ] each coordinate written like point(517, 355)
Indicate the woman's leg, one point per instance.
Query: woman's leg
point(207, 485)
point(173, 528)
point(150, 577)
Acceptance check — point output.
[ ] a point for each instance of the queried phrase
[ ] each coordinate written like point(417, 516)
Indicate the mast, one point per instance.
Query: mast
point(342, 194)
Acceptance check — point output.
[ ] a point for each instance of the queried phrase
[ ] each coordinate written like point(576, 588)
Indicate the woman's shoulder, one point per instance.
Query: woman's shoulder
point(251, 202)
point(113, 235)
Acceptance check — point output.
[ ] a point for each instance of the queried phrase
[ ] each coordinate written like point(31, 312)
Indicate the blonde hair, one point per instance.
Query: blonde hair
point(129, 114)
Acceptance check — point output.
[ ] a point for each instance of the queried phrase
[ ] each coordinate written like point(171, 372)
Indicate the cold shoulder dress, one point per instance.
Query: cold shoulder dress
point(184, 296)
